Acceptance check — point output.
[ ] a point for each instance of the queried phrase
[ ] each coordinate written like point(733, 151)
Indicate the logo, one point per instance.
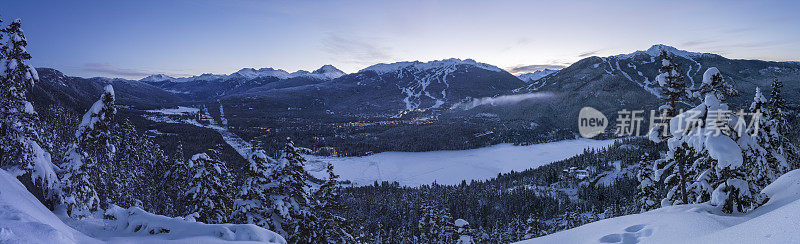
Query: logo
point(591, 122)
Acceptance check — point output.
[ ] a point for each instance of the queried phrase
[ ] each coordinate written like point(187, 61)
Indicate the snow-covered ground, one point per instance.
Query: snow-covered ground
point(449, 167)
point(775, 222)
point(23, 219)
point(176, 111)
point(244, 148)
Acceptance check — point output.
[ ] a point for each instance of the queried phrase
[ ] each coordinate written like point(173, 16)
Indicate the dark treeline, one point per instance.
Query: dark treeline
point(511, 207)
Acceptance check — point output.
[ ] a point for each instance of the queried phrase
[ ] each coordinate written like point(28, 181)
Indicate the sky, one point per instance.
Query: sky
point(133, 39)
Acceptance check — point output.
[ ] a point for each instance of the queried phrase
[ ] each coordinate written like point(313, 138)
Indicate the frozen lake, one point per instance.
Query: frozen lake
point(449, 167)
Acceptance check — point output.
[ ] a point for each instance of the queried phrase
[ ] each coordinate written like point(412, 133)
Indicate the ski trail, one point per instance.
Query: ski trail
point(244, 148)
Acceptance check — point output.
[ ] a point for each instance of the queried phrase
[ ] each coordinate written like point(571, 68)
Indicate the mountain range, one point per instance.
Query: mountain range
point(395, 106)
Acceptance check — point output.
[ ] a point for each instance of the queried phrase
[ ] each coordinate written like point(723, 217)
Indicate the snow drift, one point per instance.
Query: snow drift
point(774, 222)
point(137, 221)
point(23, 219)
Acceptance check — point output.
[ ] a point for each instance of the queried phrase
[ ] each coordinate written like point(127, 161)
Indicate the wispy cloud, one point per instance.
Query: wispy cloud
point(738, 30)
point(521, 42)
point(501, 100)
point(109, 69)
point(113, 71)
point(354, 49)
point(694, 43)
point(589, 53)
point(532, 68)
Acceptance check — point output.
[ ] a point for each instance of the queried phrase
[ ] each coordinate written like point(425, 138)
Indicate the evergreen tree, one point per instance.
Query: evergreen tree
point(208, 198)
point(704, 176)
point(762, 166)
point(671, 170)
point(568, 220)
point(464, 232)
point(647, 194)
point(536, 227)
point(767, 155)
point(333, 228)
point(779, 144)
point(252, 204)
point(89, 158)
point(674, 174)
point(435, 224)
point(714, 83)
point(176, 183)
point(20, 150)
point(290, 199)
point(672, 83)
point(716, 171)
point(123, 189)
point(138, 172)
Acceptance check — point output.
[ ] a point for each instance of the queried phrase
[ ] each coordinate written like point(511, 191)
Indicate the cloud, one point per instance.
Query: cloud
point(532, 68)
point(589, 53)
point(738, 30)
point(501, 100)
point(354, 49)
point(524, 41)
point(694, 43)
point(108, 69)
point(113, 71)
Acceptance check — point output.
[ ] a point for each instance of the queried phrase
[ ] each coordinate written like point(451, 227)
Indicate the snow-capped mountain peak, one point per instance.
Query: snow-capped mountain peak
point(328, 71)
point(655, 50)
point(251, 73)
point(383, 68)
point(157, 78)
point(536, 75)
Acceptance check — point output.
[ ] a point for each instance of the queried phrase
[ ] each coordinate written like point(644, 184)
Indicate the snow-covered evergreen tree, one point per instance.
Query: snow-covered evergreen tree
point(767, 151)
point(20, 150)
point(209, 196)
point(760, 164)
point(290, 198)
point(516, 230)
point(176, 183)
point(464, 232)
point(89, 158)
point(435, 224)
point(137, 175)
point(716, 171)
point(332, 227)
point(672, 169)
point(777, 128)
point(122, 188)
point(252, 204)
point(673, 88)
point(535, 227)
point(569, 220)
point(647, 194)
point(714, 83)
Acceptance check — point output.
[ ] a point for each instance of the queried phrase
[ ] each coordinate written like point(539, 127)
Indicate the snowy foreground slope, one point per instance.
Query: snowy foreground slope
point(23, 219)
point(775, 222)
point(449, 167)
